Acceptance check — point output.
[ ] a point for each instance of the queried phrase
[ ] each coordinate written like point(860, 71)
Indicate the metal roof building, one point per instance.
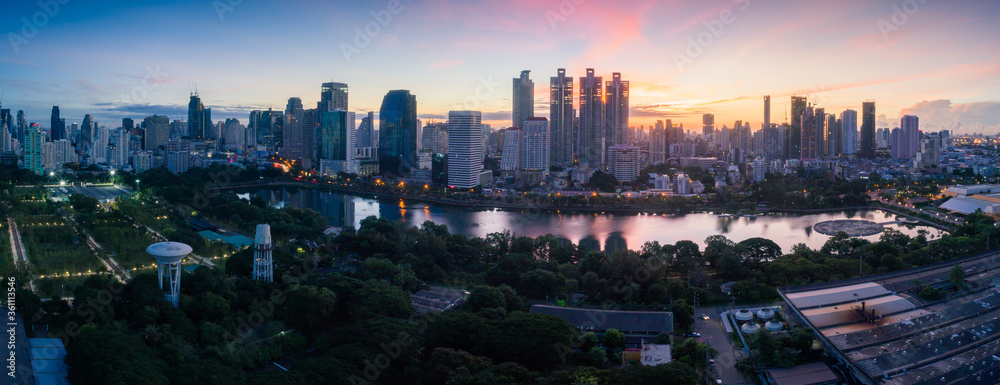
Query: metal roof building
point(630, 323)
point(48, 356)
point(885, 335)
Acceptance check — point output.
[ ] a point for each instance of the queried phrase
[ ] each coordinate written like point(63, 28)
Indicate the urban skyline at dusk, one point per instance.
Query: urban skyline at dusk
point(682, 59)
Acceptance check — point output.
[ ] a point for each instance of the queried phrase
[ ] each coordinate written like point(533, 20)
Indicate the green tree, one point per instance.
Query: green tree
point(309, 308)
point(957, 277)
point(381, 298)
point(614, 339)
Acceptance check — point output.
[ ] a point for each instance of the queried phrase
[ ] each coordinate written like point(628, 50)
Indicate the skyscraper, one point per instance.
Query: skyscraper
point(294, 134)
point(127, 123)
point(333, 96)
point(591, 136)
point(658, 145)
point(157, 132)
point(867, 148)
point(335, 141)
point(465, 148)
point(5, 123)
point(616, 111)
point(767, 110)
point(22, 125)
point(86, 133)
point(33, 157)
point(524, 99)
point(807, 146)
point(397, 134)
point(366, 131)
point(561, 116)
point(271, 129)
point(849, 125)
point(707, 126)
point(793, 149)
point(819, 125)
point(199, 119)
point(535, 151)
point(58, 128)
point(911, 136)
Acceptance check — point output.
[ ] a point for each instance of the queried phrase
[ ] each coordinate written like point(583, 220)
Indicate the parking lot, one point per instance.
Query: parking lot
point(102, 193)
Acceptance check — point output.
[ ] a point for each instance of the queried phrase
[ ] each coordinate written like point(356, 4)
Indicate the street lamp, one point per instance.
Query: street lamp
point(136, 185)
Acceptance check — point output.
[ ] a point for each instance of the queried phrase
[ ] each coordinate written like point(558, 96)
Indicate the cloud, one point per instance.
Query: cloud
point(448, 64)
point(942, 114)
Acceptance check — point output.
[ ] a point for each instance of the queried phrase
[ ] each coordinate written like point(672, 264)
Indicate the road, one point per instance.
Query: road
point(714, 334)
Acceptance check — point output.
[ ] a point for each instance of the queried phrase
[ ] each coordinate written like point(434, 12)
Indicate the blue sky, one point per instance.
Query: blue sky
point(932, 58)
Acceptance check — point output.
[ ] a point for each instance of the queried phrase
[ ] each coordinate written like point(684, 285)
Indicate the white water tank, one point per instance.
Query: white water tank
point(744, 315)
point(750, 328)
point(765, 314)
point(774, 326)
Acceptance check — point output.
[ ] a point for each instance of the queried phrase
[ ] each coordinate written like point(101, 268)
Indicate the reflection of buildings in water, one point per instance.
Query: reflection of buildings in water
point(615, 242)
point(590, 242)
point(338, 208)
point(809, 231)
point(724, 223)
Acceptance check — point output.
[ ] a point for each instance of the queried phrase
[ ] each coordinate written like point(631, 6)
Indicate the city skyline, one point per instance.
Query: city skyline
point(655, 45)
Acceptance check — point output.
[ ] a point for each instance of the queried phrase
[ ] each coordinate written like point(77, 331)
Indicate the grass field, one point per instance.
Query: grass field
point(54, 247)
point(126, 243)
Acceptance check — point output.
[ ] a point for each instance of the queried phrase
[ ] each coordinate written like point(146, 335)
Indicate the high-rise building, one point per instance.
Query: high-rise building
point(623, 162)
point(142, 161)
point(294, 133)
point(834, 136)
point(178, 161)
point(561, 116)
point(270, 129)
point(807, 145)
point(819, 125)
point(86, 133)
point(397, 133)
point(793, 148)
point(235, 136)
point(591, 132)
point(127, 123)
point(366, 131)
point(118, 149)
point(849, 123)
point(58, 128)
point(616, 111)
point(199, 119)
point(22, 125)
point(707, 126)
point(535, 151)
point(867, 147)
point(911, 136)
point(157, 132)
point(510, 160)
point(336, 142)
point(6, 124)
point(465, 148)
point(99, 149)
point(33, 158)
point(767, 110)
point(333, 96)
point(524, 99)
point(658, 144)
point(929, 155)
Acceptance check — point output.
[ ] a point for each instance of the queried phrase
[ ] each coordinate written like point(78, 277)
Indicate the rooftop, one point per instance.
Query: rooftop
point(912, 341)
point(655, 354)
point(808, 374)
point(597, 320)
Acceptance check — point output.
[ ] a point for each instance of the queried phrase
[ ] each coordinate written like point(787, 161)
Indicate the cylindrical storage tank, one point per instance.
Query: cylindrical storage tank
point(744, 315)
point(774, 326)
point(765, 314)
point(750, 328)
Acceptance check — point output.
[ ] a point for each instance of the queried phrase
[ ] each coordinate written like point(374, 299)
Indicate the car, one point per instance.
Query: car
point(704, 317)
point(718, 382)
point(694, 335)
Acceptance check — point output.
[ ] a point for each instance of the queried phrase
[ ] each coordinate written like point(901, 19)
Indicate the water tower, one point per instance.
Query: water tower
point(168, 257)
point(263, 269)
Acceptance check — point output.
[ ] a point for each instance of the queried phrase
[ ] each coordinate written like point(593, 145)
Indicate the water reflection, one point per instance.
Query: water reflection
point(614, 232)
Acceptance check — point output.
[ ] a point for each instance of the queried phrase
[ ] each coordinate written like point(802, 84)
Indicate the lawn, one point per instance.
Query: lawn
point(54, 248)
point(126, 243)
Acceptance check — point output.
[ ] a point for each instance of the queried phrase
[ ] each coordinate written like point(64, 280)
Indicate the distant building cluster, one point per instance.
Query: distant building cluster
point(587, 131)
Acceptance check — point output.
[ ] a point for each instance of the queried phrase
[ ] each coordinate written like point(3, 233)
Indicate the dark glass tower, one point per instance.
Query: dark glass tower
point(793, 144)
point(58, 127)
point(199, 119)
point(867, 149)
point(397, 146)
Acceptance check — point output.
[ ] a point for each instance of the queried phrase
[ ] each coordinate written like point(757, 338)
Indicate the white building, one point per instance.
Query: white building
point(683, 184)
point(930, 152)
point(623, 162)
point(118, 151)
point(535, 150)
point(142, 161)
point(465, 148)
point(759, 170)
point(510, 161)
point(178, 161)
point(849, 123)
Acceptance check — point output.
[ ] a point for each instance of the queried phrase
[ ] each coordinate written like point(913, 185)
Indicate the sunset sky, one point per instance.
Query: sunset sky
point(936, 59)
